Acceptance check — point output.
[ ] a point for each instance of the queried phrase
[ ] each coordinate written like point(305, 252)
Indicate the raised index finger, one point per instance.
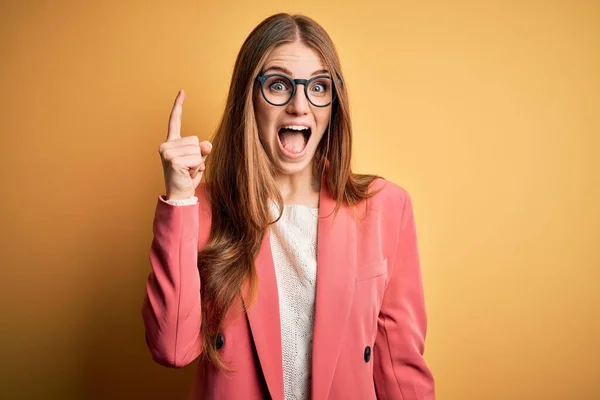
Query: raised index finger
point(175, 117)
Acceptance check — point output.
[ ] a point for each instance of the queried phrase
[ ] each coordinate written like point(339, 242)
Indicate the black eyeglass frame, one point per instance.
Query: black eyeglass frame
point(295, 82)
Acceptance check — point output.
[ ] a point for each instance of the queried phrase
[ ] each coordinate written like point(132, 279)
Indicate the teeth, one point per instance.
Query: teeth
point(295, 127)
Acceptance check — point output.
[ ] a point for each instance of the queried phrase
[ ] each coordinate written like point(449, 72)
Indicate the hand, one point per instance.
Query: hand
point(182, 158)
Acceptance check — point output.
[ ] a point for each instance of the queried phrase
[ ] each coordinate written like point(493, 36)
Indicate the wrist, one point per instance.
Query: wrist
point(179, 196)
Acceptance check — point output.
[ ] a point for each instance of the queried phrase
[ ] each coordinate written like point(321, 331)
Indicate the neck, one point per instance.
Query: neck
point(299, 188)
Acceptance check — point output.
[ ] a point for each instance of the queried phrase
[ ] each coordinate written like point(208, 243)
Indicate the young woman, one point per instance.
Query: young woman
point(290, 276)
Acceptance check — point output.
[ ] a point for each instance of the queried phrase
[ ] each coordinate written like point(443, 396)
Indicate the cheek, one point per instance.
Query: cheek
point(265, 118)
point(322, 119)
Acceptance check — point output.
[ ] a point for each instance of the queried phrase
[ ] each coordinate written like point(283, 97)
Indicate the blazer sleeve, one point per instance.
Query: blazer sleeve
point(400, 371)
point(171, 309)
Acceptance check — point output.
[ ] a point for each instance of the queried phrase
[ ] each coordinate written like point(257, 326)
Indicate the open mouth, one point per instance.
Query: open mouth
point(293, 139)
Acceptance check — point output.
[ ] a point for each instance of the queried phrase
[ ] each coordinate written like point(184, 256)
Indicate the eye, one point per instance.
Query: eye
point(320, 87)
point(278, 86)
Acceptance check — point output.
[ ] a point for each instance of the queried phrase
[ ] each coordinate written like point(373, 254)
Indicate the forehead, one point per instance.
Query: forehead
point(300, 59)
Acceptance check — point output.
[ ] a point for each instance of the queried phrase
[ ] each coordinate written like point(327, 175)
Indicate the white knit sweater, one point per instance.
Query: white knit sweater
point(293, 242)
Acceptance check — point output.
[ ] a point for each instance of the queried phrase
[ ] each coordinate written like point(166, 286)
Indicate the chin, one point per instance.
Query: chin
point(291, 168)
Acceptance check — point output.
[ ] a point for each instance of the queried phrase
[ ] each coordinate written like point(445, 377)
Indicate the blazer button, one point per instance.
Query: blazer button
point(220, 341)
point(367, 353)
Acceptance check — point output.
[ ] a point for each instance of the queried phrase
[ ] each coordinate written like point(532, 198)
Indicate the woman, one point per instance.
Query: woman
point(291, 277)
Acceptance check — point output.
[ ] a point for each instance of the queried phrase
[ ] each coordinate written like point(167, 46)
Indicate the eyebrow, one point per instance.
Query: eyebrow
point(288, 72)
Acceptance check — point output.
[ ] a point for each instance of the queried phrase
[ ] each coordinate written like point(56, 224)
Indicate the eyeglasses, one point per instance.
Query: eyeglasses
point(279, 89)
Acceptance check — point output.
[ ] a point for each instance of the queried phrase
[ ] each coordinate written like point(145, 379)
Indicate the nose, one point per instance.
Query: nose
point(299, 104)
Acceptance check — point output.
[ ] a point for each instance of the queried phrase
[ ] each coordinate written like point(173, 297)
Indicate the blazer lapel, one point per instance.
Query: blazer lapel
point(264, 320)
point(336, 270)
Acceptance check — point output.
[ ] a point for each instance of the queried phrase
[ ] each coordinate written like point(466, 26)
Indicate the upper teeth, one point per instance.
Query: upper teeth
point(295, 127)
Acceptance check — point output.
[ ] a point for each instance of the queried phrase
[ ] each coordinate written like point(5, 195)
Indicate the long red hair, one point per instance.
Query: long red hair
point(239, 175)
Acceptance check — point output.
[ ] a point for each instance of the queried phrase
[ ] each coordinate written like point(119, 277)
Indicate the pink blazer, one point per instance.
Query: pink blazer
point(370, 318)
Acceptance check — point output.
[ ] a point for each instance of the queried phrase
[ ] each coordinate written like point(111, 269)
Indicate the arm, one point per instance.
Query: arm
point(400, 371)
point(171, 309)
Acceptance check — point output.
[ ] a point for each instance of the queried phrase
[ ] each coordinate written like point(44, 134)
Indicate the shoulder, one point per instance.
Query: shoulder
point(390, 205)
point(388, 194)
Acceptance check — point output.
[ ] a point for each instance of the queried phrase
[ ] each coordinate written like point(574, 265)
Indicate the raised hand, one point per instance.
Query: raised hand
point(182, 158)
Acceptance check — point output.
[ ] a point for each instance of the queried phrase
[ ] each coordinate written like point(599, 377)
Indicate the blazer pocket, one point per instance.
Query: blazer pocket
point(371, 270)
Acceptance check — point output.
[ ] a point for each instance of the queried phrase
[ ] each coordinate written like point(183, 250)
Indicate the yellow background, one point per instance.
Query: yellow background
point(486, 112)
